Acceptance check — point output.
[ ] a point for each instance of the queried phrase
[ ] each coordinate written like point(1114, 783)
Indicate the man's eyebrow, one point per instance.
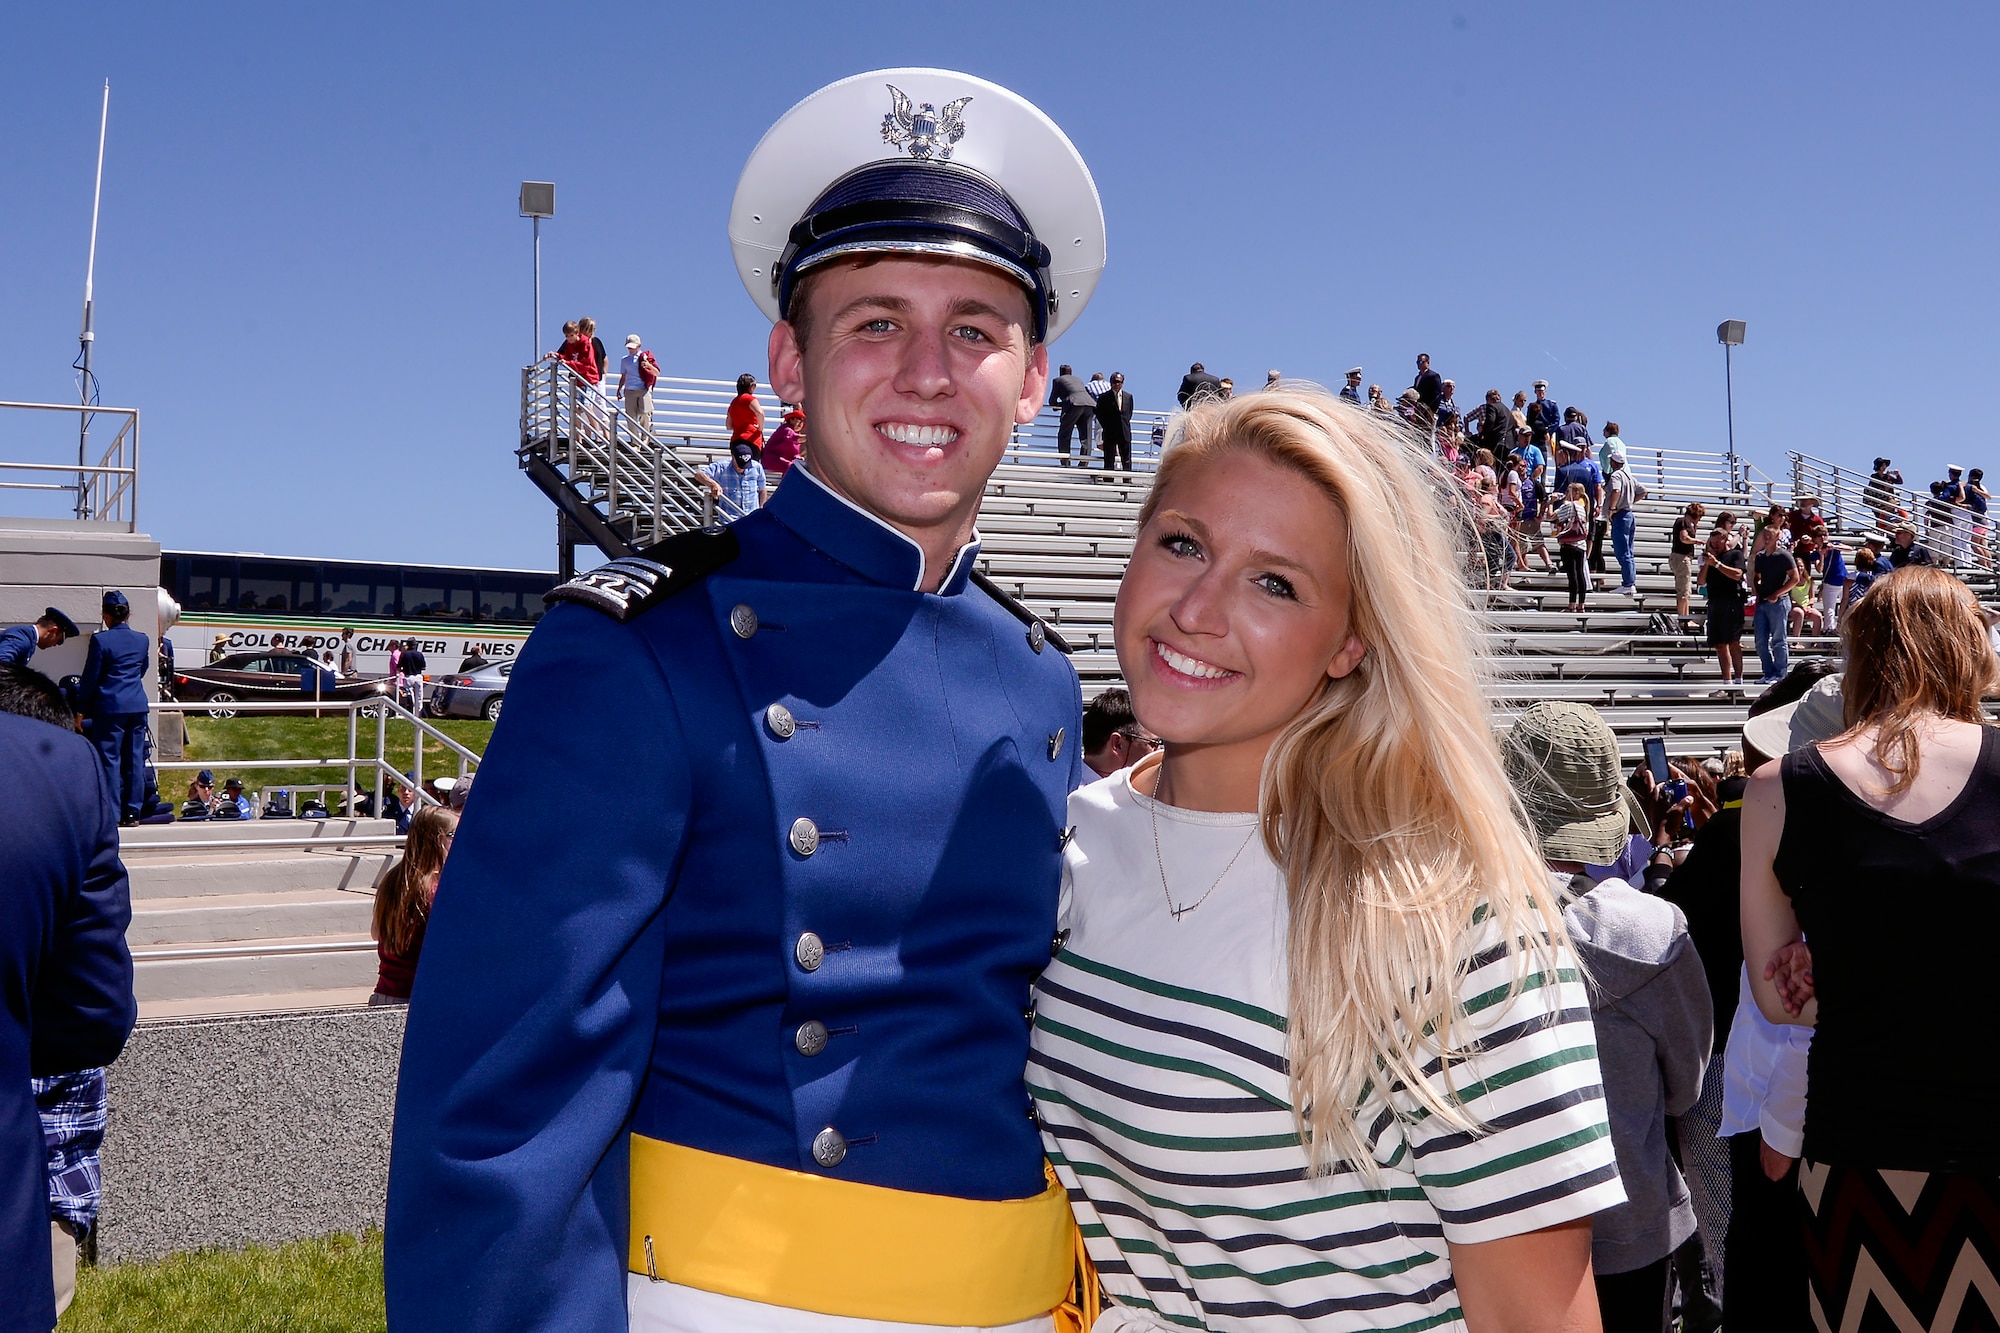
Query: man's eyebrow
point(969, 305)
point(874, 301)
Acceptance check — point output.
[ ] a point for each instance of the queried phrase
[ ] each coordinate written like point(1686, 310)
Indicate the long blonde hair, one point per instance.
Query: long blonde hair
point(1384, 800)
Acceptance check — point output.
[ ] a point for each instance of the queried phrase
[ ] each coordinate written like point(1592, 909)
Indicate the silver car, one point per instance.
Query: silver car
point(473, 693)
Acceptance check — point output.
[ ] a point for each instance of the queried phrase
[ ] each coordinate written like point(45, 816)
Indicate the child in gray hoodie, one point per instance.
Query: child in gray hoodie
point(1648, 998)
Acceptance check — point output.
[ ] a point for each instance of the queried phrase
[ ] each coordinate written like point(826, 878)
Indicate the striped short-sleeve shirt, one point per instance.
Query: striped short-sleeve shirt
point(1160, 1079)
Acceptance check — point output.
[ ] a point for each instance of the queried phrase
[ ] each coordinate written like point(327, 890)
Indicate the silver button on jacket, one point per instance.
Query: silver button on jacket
point(829, 1147)
point(810, 952)
point(810, 1038)
point(805, 836)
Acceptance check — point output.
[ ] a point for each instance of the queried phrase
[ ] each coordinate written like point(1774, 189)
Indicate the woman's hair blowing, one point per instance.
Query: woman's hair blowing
point(1384, 800)
point(1916, 645)
point(401, 905)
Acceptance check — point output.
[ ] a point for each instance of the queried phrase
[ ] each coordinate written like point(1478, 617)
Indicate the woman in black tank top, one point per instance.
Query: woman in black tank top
point(1723, 568)
point(1902, 918)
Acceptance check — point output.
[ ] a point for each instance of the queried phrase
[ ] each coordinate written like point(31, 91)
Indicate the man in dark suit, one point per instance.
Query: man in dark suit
point(1114, 419)
point(1068, 395)
point(113, 695)
point(1430, 389)
point(66, 999)
point(1198, 383)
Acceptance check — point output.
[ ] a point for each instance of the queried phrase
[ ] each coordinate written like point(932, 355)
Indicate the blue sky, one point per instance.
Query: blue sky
point(312, 281)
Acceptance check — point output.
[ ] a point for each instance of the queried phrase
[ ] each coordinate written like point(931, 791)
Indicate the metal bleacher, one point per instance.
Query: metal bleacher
point(1059, 538)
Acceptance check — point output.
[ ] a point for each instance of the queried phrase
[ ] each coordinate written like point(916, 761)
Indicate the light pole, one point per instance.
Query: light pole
point(1730, 334)
point(538, 201)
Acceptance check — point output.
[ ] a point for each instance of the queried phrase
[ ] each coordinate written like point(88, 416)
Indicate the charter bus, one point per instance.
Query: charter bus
point(241, 602)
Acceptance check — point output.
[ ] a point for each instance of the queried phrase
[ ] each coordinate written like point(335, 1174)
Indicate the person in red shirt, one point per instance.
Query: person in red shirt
point(786, 443)
point(403, 902)
point(746, 415)
point(576, 353)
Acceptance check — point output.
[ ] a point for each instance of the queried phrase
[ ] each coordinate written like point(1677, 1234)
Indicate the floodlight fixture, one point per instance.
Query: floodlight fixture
point(1729, 332)
point(538, 201)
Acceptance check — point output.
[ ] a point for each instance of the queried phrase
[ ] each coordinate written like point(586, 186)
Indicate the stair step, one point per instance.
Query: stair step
point(240, 917)
point(191, 874)
point(268, 967)
point(263, 1002)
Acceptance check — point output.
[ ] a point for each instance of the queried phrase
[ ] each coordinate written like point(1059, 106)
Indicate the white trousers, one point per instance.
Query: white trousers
point(667, 1307)
point(1829, 605)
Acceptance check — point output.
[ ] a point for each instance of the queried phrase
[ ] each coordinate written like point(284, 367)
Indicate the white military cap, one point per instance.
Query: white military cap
point(920, 161)
point(1354, 370)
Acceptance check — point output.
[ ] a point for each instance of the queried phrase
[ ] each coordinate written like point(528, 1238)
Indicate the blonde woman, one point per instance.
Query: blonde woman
point(1314, 1051)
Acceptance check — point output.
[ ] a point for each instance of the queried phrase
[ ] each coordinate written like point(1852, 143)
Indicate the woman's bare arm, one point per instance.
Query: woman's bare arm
point(1768, 922)
point(1534, 1283)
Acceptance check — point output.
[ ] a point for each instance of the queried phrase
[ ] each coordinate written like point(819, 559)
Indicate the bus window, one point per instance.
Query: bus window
point(211, 583)
point(276, 585)
point(435, 594)
point(358, 591)
point(512, 597)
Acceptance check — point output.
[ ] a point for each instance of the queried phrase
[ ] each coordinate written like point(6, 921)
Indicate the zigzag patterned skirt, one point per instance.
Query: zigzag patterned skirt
point(1901, 1251)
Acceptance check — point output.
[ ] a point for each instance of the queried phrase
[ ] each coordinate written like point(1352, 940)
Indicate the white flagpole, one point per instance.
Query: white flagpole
point(88, 335)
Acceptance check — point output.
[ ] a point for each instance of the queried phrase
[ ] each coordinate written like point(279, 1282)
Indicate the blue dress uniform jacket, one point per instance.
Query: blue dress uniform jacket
point(65, 976)
point(828, 801)
point(18, 644)
point(112, 691)
point(114, 672)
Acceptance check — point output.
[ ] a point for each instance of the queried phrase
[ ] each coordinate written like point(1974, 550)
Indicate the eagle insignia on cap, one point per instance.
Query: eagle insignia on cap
point(927, 132)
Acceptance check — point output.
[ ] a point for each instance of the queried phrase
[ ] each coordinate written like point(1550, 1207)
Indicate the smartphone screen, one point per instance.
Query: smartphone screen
point(1656, 757)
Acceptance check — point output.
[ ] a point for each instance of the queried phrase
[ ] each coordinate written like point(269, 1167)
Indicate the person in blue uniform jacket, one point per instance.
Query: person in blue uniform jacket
point(19, 642)
point(66, 999)
point(747, 1049)
point(112, 694)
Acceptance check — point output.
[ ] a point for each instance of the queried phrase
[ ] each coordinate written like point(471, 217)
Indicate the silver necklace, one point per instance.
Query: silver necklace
point(1177, 912)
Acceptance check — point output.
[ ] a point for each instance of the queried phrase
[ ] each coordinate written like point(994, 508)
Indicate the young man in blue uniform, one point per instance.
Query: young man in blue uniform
point(112, 693)
point(747, 1053)
point(19, 642)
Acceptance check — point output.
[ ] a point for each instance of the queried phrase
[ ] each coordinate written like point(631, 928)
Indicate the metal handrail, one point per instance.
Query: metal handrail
point(647, 488)
point(106, 491)
point(380, 707)
point(1854, 500)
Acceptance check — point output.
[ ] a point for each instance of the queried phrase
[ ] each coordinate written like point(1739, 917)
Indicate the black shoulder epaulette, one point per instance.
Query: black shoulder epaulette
point(1039, 630)
point(631, 584)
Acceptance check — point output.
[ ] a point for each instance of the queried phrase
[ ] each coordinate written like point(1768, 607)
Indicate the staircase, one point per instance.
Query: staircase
point(277, 919)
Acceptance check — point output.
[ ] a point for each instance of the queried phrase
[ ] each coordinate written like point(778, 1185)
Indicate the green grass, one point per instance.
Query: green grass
point(217, 742)
point(329, 1285)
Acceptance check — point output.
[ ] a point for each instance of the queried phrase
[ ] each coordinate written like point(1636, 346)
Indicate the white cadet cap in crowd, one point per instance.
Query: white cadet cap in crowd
point(1354, 370)
point(1539, 384)
point(921, 161)
point(1816, 715)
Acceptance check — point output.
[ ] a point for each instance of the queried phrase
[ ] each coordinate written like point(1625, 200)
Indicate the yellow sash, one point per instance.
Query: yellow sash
point(809, 1242)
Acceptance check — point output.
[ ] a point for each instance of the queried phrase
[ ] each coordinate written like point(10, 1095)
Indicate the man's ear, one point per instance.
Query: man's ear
point(788, 378)
point(1034, 386)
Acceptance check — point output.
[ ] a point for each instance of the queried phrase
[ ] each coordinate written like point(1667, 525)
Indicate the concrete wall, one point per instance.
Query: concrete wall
point(228, 1131)
point(70, 565)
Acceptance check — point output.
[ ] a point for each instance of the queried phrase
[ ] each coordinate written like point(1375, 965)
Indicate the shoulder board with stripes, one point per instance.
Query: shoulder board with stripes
point(626, 587)
point(1039, 630)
